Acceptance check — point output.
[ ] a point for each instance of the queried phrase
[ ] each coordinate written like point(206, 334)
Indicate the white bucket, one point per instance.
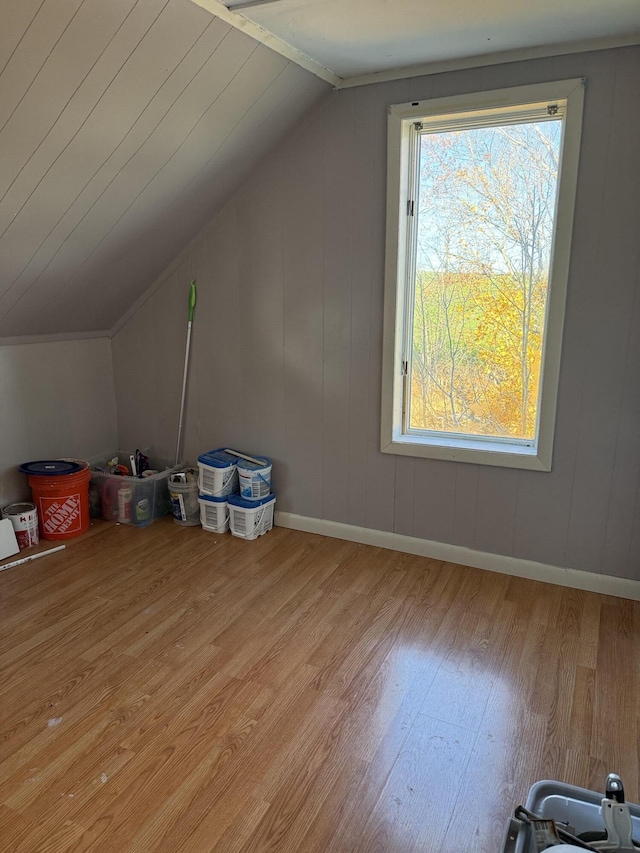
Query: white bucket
point(24, 518)
point(250, 519)
point(214, 513)
point(184, 501)
point(218, 474)
point(255, 480)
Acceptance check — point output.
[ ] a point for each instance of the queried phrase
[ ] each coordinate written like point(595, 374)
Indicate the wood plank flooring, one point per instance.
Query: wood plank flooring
point(172, 690)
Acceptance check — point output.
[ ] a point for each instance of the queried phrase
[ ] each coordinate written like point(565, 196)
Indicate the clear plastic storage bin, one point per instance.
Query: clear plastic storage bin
point(133, 500)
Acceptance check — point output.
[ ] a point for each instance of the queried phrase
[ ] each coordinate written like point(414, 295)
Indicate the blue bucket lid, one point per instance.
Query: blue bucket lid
point(236, 500)
point(252, 466)
point(213, 498)
point(50, 468)
point(217, 458)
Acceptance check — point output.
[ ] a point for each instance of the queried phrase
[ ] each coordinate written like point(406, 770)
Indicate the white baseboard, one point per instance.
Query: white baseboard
point(574, 578)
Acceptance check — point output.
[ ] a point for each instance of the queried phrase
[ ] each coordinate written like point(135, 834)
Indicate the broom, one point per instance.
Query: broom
point(192, 308)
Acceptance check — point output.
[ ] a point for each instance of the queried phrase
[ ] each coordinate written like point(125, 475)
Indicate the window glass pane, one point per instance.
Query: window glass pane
point(485, 219)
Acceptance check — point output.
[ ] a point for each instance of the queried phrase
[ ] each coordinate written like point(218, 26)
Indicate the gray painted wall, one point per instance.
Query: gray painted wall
point(57, 400)
point(287, 341)
point(123, 127)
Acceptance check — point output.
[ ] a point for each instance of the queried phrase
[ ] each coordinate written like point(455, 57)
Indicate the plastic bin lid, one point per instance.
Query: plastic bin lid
point(236, 500)
point(252, 466)
point(50, 468)
point(216, 500)
point(217, 458)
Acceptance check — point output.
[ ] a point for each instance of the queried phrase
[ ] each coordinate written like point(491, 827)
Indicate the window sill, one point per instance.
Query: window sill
point(467, 450)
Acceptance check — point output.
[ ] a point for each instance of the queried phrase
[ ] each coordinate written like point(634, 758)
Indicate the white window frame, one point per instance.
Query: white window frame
point(537, 455)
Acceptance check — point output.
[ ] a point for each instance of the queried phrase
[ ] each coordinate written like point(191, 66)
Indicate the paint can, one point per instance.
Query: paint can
point(24, 518)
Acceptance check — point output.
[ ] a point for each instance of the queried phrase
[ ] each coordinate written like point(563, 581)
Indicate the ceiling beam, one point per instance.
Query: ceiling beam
point(249, 4)
point(240, 22)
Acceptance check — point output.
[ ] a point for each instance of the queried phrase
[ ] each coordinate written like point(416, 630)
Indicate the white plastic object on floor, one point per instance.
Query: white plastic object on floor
point(31, 557)
point(8, 541)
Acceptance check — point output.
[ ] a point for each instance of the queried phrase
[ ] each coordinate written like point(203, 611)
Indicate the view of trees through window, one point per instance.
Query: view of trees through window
point(485, 219)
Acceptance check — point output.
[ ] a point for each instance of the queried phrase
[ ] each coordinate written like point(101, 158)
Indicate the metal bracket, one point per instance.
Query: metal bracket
point(617, 823)
point(514, 830)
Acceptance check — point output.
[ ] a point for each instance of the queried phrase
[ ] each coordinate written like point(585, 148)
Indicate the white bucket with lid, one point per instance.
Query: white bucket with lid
point(254, 478)
point(214, 513)
point(218, 473)
point(24, 519)
point(250, 519)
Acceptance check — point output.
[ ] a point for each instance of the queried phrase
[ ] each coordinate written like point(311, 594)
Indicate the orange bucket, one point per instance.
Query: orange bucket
point(62, 501)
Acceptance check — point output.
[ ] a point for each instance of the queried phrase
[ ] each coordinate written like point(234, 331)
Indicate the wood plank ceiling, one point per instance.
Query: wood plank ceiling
point(123, 126)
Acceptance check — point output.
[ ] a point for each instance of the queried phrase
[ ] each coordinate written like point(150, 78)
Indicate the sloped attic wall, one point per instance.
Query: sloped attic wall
point(123, 126)
point(57, 400)
point(288, 337)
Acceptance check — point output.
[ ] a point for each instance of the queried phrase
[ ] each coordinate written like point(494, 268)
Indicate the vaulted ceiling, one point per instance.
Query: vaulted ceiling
point(123, 125)
point(356, 37)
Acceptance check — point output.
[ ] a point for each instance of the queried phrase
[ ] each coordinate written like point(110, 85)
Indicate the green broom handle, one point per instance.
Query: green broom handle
point(192, 308)
point(192, 300)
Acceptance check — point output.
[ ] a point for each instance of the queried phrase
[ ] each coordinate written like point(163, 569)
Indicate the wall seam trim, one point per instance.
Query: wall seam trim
point(515, 566)
point(56, 337)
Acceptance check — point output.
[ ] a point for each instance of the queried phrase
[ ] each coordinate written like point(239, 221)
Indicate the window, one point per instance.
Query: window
point(480, 203)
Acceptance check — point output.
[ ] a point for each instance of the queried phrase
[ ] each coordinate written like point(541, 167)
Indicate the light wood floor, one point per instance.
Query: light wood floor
point(169, 689)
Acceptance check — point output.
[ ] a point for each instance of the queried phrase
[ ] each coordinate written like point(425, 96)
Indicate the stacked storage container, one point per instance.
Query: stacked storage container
point(251, 514)
point(217, 479)
point(235, 493)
